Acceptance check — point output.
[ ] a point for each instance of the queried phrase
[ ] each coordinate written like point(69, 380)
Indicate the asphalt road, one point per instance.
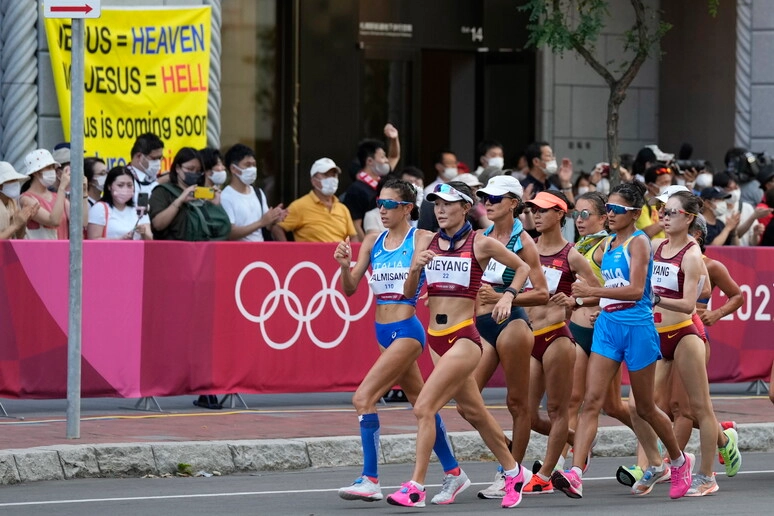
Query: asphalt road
point(313, 492)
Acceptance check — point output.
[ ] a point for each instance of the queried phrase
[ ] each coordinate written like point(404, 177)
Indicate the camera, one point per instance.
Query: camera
point(687, 164)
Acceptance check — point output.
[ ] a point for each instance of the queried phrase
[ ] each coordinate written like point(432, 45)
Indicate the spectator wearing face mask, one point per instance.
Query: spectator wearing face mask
point(657, 179)
point(115, 216)
point(748, 215)
point(319, 216)
point(214, 169)
point(360, 196)
point(252, 220)
point(445, 165)
point(490, 154)
point(177, 213)
point(51, 221)
point(13, 220)
point(95, 171)
point(145, 164)
point(718, 232)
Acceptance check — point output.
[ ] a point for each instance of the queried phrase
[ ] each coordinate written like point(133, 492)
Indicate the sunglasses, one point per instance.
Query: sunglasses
point(618, 209)
point(672, 213)
point(389, 204)
point(583, 214)
point(494, 199)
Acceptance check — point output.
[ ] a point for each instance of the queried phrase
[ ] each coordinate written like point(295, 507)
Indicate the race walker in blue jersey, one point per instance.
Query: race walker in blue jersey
point(399, 333)
point(624, 331)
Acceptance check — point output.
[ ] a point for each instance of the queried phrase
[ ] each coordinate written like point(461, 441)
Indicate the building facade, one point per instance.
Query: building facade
point(302, 79)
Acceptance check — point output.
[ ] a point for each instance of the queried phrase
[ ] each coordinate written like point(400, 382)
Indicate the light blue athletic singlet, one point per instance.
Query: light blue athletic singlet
point(616, 273)
point(390, 268)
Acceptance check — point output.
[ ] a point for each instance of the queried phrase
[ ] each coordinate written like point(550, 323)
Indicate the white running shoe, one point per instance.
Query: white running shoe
point(452, 486)
point(497, 489)
point(362, 489)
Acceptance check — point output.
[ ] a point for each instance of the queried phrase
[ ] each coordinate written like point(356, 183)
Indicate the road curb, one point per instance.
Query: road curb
point(130, 460)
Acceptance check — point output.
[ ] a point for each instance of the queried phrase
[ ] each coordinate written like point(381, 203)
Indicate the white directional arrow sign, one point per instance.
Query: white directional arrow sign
point(72, 8)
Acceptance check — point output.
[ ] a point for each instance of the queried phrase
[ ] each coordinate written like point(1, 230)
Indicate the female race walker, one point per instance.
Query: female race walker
point(454, 260)
point(400, 335)
point(553, 353)
point(590, 221)
point(508, 342)
point(624, 330)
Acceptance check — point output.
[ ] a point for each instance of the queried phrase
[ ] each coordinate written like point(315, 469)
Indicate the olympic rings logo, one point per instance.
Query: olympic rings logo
point(304, 315)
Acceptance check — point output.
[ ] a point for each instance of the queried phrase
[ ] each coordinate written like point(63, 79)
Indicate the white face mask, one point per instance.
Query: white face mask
point(497, 162)
point(551, 167)
point(12, 189)
point(122, 195)
point(247, 176)
point(736, 195)
point(420, 194)
point(382, 169)
point(720, 208)
point(680, 181)
point(582, 190)
point(450, 173)
point(48, 178)
point(101, 182)
point(703, 180)
point(218, 177)
point(154, 167)
point(329, 185)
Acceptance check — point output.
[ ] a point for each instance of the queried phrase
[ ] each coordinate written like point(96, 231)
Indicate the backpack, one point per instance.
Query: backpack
point(266, 232)
point(203, 220)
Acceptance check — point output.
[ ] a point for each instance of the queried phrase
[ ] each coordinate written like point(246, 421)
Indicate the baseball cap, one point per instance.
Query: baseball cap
point(714, 193)
point(469, 179)
point(547, 200)
point(765, 175)
point(501, 185)
point(670, 191)
point(448, 194)
point(38, 160)
point(61, 153)
point(8, 173)
point(323, 165)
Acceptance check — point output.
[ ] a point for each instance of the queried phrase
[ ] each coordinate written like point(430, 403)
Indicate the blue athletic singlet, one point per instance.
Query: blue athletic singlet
point(616, 273)
point(390, 268)
point(497, 274)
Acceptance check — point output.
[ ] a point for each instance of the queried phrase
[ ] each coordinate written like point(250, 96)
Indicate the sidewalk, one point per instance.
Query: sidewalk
point(124, 442)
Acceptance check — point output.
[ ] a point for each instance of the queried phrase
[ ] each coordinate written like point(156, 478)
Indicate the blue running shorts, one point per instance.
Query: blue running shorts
point(409, 328)
point(638, 345)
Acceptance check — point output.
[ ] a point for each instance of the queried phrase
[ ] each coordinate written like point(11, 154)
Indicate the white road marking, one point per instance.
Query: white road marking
point(259, 493)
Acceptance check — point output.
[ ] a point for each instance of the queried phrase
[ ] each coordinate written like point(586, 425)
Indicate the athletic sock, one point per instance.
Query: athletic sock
point(560, 463)
point(369, 438)
point(542, 477)
point(442, 446)
point(418, 485)
point(676, 463)
point(578, 471)
point(513, 472)
point(455, 472)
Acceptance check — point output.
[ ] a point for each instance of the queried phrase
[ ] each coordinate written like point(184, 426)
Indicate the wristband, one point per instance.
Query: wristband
point(512, 291)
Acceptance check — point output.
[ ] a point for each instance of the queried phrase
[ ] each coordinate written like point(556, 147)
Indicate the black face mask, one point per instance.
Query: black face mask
point(192, 178)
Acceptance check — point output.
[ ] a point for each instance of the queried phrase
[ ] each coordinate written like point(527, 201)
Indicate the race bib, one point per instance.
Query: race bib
point(387, 282)
point(552, 278)
point(448, 270)
point(664, 278)
point(612, 305)
point(494, 272)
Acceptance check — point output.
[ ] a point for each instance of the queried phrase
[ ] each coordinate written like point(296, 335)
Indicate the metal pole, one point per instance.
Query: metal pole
point(76, 234)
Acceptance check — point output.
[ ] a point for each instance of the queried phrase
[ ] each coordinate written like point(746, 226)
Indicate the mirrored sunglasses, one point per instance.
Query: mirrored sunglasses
point(618, 209)
point(494, 199)
point(389, 204)
point(583, 214)
point(672, 212)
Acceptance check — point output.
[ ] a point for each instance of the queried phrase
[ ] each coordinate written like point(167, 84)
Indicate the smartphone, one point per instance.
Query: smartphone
point(204, 192)
point(142, 203)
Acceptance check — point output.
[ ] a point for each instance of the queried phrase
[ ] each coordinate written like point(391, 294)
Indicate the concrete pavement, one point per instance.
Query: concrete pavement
point(281, 435)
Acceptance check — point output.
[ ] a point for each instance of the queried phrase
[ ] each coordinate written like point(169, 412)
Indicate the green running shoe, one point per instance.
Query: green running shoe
point(628, 475)
point(732, 459)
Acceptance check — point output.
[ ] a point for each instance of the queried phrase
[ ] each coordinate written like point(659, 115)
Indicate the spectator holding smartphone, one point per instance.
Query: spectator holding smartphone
point(115, 216)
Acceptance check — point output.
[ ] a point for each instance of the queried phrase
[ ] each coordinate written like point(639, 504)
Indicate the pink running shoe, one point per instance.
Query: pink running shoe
point(681, 477)
point(568, 482)
point(409, 495)
point(513, 488)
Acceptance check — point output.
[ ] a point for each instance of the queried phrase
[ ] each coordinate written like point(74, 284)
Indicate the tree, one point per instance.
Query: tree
point(564, 25)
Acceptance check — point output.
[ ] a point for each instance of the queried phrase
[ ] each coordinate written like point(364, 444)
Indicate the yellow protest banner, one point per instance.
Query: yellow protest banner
point(146, 70)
